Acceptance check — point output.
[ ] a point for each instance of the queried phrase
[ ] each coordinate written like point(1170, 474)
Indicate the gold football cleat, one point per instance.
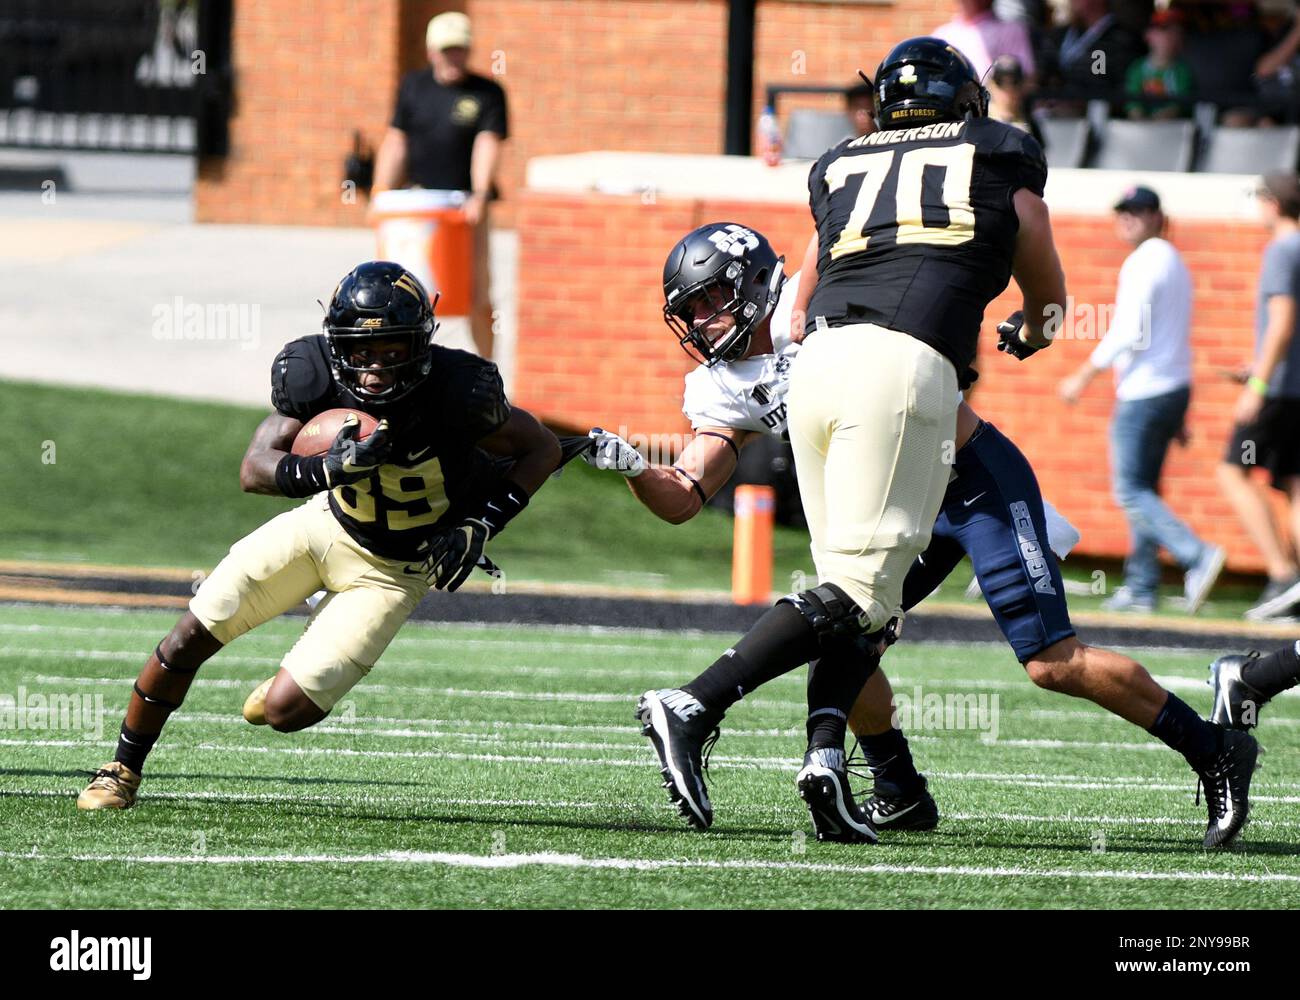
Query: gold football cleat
point(255, 704)
point(113, 787)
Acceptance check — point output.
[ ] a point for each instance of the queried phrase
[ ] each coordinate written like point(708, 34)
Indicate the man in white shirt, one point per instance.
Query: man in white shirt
point(1147, 345)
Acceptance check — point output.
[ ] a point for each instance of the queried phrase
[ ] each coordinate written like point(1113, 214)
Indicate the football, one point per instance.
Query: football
point(320, 431)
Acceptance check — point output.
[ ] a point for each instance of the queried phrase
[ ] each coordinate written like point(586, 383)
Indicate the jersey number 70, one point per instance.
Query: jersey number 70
point(910, 193)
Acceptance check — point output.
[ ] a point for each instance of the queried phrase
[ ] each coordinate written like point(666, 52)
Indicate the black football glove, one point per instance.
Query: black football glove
point(1009, 339)
point(350, 460)
point(454, 554)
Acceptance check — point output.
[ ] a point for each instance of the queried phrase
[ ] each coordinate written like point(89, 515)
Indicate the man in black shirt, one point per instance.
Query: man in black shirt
point(446, 134)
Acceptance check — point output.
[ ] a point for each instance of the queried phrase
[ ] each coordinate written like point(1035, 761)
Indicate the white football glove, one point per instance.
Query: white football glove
point(609, 451)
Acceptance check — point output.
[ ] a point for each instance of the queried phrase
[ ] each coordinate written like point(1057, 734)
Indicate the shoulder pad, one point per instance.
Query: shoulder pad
point(301, 382)
point(474, 391)
point(1029, 164)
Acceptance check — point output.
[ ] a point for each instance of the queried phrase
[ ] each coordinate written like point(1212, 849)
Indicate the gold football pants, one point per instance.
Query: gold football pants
point(873, 414)
point(283, 562)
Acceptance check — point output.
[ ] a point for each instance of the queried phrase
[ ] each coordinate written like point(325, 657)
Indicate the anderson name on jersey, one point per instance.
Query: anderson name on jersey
point(434, 469)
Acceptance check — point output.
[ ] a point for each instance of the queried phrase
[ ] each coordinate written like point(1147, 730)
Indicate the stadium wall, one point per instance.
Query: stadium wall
point(579, 74)
point(593, 349)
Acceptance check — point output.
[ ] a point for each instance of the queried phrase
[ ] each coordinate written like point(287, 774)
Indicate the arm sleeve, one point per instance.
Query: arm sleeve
point(301, 385)
point(1020, 156)
point(402, 110)
point(495, 114)
point(1278, 274)
point(483, 403)
point(706, 404)
point(1125, 330)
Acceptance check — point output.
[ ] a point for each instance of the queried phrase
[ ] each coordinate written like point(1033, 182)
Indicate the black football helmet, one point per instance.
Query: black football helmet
point(375, 301)
point(927, 80)
point(742, 265)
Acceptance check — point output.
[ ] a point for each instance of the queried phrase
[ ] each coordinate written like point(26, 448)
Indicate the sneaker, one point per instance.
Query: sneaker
point(1200, 579)
point(890, 810)
point(113, 787)
point(1277, 601)
point(682, 733)
point(823, 784)
point(1226, 781)
point(1236, 703)
point(1126, 601)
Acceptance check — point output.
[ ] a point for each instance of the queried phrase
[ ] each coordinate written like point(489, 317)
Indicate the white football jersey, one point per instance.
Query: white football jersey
point(749, 394)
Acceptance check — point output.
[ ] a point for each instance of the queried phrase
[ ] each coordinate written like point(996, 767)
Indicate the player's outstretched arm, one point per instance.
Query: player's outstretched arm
point(534, 448)
point(271, 442)
point(1037, 270)
point(677, 492)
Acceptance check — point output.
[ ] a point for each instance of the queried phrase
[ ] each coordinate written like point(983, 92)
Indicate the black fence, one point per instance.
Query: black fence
point(117, 75)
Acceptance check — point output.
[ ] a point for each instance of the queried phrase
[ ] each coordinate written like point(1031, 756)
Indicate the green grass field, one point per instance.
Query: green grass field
point(147, 481)
point(500, 767)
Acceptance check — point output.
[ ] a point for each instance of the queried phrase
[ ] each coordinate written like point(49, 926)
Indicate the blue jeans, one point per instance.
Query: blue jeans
point(1140, 433)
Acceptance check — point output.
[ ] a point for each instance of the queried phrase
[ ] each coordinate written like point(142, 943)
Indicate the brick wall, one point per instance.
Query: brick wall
point(303, 83)
point(646, 75)
point(593, 349)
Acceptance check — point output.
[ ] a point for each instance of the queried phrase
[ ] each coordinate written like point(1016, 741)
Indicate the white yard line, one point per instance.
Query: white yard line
point(571, 861)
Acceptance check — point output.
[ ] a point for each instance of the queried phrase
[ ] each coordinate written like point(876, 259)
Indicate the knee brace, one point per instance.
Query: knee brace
point(838, 621)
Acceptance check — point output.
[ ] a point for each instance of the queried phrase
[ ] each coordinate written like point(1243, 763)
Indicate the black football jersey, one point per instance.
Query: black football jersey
point(917, 230)
point(434, 470)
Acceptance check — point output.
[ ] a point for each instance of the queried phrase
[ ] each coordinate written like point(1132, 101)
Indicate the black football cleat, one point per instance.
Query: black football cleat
point(682, 734)
point(1236, 703)
point(890, 810)
point(1226, 783)
point(823, 784)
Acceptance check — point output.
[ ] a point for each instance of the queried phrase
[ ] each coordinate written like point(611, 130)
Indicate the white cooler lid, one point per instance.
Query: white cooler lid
point(416, 199)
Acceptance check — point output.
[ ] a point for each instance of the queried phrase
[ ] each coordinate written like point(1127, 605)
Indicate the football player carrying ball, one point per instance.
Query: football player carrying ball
point(409, 506)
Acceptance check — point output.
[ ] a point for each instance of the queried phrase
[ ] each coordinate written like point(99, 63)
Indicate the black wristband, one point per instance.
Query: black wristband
point(296, 476)
point(500, 506)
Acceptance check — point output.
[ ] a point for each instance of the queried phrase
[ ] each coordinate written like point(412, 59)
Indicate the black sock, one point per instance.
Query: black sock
point(779, 641)
point(133, 748)
point(826, 728)
point(834, 682)
point(1182, 729)
point(1274, 673)
point(890, 760)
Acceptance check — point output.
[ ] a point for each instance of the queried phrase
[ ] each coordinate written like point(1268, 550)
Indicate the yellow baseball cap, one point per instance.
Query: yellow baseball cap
point(447, 31)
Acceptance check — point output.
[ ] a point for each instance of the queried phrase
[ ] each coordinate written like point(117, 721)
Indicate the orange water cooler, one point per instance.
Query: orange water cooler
point(425, 231)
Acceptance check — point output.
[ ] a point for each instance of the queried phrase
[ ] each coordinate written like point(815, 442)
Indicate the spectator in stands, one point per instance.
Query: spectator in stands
point(1092, 55)
point(1267, 415)
point(1222, 44)
point(1277, 73)
point(1006, 85)
point(860, 103)
point(1148, 343)
point(1162, 72)
point(446, 134)
point(982, 37)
